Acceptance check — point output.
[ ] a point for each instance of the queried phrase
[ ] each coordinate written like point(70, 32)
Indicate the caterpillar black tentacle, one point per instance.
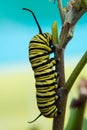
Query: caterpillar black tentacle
point(45, 74)
point(40, 31)
point(35, 118)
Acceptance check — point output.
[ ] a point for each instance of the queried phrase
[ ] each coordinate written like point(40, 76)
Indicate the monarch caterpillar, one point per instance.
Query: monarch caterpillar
point(45, 74)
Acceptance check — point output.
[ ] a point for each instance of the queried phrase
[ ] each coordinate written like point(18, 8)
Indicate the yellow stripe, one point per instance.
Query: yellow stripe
point(41, 78)
point(42, 72)
point(40, 100)
point(36, 45)
point(46, 104)
point(46, 93)
point(41, 62)
point(44, 83)
point(46, 112)
point(45, 67)
point(39, 59)
point(42, 89)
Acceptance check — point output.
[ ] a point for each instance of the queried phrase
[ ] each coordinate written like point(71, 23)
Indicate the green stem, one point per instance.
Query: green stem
point(76, 118)
point(76, 72)
point(55, 33)
point(62, 13)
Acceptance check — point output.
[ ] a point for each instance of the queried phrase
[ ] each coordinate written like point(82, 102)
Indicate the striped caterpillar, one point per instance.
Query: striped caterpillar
point(45, 74)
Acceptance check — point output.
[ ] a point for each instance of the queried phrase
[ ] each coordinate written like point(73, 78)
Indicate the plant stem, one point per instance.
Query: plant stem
point(72, 15)
point(58, 121)
point(76, 118)
point(64, 34)
point(69, 36)
point(62, 14)
point(76, 72)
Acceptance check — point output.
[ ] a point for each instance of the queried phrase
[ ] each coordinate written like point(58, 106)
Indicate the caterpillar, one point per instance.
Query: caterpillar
point(45, 74)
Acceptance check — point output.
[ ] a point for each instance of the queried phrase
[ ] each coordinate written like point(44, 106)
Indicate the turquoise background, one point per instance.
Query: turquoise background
point(17, 27)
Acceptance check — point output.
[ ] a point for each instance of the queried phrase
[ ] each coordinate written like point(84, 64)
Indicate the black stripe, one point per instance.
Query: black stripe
point(46, 110)
point(45, 101)
point(42, 107)
point(42, 39)
point(42, 64)
point(46, 35)
point(48, 96)
point(43, 79)
point(30, 49)
point(48, 115)
point(45, 85)
point(45, 74)
point(39, 42)
point(38, 56)
point(45, 96)
point(39, 37)
point(48, 78)
point(43, 34)
point(38, 91)
point(52, 88)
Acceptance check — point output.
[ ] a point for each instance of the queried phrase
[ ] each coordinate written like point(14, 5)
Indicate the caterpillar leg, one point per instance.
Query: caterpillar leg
point(59, 112)
point(53, 61)
point(53, 49)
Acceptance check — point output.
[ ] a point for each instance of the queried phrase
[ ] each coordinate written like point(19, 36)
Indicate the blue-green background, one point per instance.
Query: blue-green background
point(17, 27)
